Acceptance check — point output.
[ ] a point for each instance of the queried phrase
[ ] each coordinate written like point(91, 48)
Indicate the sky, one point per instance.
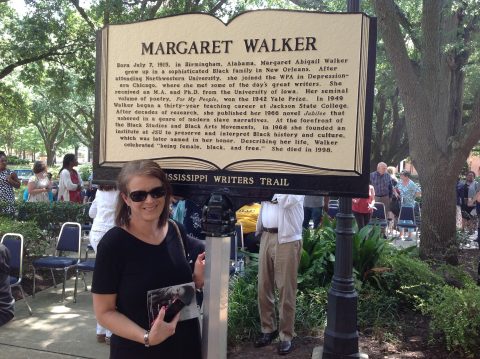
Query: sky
point(20, 7)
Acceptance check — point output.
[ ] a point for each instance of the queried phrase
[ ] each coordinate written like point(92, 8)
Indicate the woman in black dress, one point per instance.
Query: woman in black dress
point(145, 254)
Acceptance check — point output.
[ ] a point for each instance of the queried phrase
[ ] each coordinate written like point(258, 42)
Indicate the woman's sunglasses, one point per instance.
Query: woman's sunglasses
point(139, 196)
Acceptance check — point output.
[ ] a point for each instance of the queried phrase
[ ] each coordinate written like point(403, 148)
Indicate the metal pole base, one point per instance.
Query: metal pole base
point(215, 298)
point(318, 353)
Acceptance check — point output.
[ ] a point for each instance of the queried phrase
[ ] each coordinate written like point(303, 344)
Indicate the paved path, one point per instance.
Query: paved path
point(55, 330)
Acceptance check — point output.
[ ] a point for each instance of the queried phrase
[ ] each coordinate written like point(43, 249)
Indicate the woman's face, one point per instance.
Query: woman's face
point(470, 177)
point(150, 208)
point(3, 163)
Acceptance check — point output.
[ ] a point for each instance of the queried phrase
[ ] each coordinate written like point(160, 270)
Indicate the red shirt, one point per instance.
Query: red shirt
point(361, 205)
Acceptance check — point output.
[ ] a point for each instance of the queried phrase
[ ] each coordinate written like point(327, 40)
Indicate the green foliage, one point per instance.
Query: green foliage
point(455, 276)
point(311, 310)
point(35, 240)
point(56, 213)
point(318, 256)
point(14, 160)
point(85, 171)
point(368, 245)
point(410, 279)
point(243, 319)
point(455, 313)
point(376, 308)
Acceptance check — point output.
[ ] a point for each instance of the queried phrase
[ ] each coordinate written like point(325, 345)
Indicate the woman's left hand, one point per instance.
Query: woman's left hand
point(199, 271)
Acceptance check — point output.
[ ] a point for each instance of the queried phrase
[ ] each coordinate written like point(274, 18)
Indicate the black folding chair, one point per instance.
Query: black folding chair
point(14, 243)
point(379, 217)
point(69, 240)
point(406, 219)
point(332, 210)
point(88, 265)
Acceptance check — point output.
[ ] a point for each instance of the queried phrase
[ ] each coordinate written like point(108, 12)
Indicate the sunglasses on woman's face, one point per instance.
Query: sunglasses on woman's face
point(139, 196)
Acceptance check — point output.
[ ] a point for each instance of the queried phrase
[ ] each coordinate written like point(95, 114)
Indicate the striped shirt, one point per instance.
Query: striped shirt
point(382, 184)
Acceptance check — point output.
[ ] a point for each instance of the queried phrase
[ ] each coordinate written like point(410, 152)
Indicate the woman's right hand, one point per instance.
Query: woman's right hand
point(162, 330)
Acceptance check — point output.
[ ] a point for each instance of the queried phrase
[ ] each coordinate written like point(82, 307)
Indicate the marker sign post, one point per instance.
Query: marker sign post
point(274, 101)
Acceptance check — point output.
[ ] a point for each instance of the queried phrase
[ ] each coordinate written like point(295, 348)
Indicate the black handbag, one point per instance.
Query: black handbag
point(395, 205)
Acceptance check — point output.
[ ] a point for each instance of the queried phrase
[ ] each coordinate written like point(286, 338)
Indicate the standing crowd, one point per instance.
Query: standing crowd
point(146, 262)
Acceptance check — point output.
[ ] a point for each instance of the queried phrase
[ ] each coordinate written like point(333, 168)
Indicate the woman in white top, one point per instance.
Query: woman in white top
point(70, 183)
point(39, 185)
point(102, 211)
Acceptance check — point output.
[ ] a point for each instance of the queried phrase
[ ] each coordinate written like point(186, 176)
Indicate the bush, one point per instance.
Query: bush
point(243, 319)
point(455, 313)
point(85, 171)
point(411, 279)
point(368, 246)
point(14, 160)
point(377, 309)
point(311, 311)
point(455, 276)
point(318, 257)
point(35, 241)
point(50, 216)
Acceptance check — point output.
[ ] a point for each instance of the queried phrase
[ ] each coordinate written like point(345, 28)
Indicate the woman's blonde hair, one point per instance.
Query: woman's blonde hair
point(391, 170)
point(140, 168)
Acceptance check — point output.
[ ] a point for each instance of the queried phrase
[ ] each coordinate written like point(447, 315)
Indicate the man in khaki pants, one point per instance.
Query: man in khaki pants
point(280, 224)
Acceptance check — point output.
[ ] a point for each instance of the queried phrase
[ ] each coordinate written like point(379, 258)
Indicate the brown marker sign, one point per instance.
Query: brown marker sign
point(275, 100)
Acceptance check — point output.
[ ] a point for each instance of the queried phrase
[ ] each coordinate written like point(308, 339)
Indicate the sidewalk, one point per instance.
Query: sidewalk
point(56, 329)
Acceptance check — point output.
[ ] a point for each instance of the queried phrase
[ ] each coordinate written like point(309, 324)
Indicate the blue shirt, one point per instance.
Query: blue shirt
point(382, 184)
point(407, 192)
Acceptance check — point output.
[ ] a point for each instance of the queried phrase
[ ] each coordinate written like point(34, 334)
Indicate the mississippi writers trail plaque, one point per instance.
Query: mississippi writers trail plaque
point(273, 101)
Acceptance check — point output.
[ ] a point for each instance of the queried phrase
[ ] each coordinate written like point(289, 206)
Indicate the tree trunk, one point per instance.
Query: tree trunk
point(438, 212)
point(50, 155)
point(432, 94)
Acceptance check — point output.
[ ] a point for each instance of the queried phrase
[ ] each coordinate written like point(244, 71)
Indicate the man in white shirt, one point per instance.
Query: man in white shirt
point(280, 224)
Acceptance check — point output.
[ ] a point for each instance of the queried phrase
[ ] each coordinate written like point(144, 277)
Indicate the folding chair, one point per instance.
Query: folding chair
point(332, 210)
point(88, 265)
point(14, 243)
point(69, 240)
point(379, 217)
point(418, 215)
point(333, 203)
point(406, 219)
point(236, 260)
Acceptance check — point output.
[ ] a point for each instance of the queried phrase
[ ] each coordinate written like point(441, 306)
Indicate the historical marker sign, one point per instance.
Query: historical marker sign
point(274, 101)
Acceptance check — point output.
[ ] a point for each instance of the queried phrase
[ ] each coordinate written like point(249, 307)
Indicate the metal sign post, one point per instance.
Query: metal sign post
point(341, 335)
point(218, 222)
point(215, 298)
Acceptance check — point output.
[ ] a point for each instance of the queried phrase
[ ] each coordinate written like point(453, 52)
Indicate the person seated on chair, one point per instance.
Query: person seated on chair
point(247, 216)
point(7, 302)
point(408, 190)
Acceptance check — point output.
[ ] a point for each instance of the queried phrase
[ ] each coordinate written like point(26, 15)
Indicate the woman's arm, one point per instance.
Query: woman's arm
point(92, 212)
point(67, 180)
point(13, 180)
point(105, 310)
point(199, 271)
point(32, 190)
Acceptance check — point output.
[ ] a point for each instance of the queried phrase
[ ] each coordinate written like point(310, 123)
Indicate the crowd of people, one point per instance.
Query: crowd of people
point(141, 253)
